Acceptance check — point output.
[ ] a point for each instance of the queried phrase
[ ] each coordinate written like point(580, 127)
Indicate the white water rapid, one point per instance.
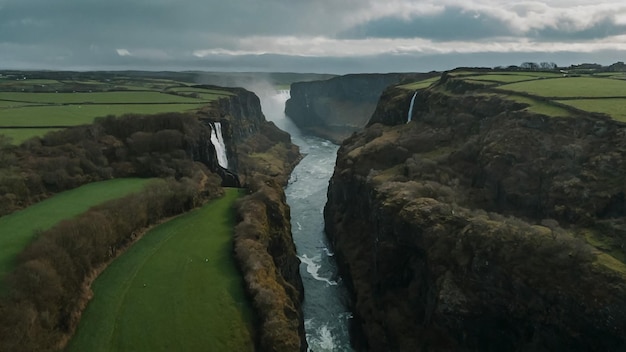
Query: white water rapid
point(218, 142)
point(325, 313)
point(410, 115)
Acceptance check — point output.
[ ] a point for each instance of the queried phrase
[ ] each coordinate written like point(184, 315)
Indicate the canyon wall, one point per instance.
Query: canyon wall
point(263, 157)
point(480, 226)
point(335, 108)
point(174, 146)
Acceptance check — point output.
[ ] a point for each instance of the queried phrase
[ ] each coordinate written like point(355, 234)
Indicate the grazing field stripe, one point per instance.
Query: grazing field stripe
point(176, 289)
point(580, 87)
point(18, 229)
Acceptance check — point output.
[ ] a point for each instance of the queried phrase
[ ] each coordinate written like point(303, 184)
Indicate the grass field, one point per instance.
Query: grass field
point(503, 78)
point(143, 97)
point(545, 91)
point(19, 228)
point(71, 115)
point(419, 84)
point(36, 102)
point(616, 108)
point(177, 289)
point(19, 135)
point(572, 87)
point(541, 107)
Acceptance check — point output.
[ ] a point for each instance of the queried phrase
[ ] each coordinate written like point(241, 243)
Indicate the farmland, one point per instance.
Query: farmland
point(19, 228)
point(571, 87)
point(548, 93)
point(177, 289)
point(419, 84)
point(32, 107)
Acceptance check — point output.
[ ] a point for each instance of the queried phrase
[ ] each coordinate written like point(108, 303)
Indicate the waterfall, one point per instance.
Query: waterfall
point(284, 93)
point(218, 142)
point(411, 108)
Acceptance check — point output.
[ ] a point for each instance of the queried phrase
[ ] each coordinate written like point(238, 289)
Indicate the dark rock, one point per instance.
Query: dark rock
point(335, 108)
point(467, 228)
point(261, 158)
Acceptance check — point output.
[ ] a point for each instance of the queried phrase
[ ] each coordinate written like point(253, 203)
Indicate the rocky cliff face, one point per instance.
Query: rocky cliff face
point(335, 108)
point(481, 227)
point(263, 156)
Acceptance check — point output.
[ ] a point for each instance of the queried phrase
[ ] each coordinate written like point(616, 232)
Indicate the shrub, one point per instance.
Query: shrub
point(46, 287)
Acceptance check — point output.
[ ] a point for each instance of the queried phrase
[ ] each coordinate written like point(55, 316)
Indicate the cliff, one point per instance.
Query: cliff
point(337, 107)
point(176, 146)
point(263, 157)
point(480, 226)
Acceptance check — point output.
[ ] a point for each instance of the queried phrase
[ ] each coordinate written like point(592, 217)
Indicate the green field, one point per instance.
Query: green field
point(58, 103)
point(503, 78)
point(541, 107)
point(19, 135)
point(419, 84)
point(571, 87)
point(19, 228)
point(550, 93)
point(142, 97)
point(177, 289)
point(616, 108)
point(71, 115)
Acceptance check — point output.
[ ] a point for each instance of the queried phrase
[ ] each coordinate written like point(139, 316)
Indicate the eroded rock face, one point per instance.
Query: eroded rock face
point(335, 108)
point(468, 228)
point(263, 247)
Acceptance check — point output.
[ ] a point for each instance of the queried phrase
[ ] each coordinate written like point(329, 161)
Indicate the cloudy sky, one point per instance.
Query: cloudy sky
point(338, 36)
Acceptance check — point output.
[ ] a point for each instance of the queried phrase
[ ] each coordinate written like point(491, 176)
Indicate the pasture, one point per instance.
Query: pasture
point(615, 107)
point(550, 93)
point(33, 107)
point(419, 84)
point(571, 87)
point(176, 289)
point(18, 229)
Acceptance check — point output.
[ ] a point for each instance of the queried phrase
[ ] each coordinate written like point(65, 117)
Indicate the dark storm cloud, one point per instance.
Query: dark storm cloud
point(601, 29)
point(298, 35)
point(123, 22)
point(450, 24)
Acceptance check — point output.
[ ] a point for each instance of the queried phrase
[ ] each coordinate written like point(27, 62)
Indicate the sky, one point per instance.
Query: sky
point(325, 36)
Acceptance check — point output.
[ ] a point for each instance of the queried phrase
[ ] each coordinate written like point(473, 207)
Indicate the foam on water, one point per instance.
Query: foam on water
point(313, 268)
point(323, 339)
point(324, 307)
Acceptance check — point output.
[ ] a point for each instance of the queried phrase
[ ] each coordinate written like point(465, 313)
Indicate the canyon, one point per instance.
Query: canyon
point(480, 226)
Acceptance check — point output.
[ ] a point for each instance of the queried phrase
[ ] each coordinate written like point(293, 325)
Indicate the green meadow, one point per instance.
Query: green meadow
point(550, 93)
point(504, 78)
point(17, 230)
point(419, 84)
point(615, 107)
point(71, 115)
point(176, 289)
point(540, 107)
point(120, 97)
point(571, 87)
point(39, 104)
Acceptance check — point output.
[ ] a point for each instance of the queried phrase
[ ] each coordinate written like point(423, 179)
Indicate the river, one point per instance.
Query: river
point(325, 304)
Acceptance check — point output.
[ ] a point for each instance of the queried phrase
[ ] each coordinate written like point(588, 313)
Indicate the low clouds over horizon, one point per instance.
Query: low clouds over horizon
point(336, 36)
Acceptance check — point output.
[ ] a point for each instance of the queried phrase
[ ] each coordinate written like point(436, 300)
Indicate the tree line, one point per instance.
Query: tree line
point(43, 295)
point(48, 288)
point(167, 145)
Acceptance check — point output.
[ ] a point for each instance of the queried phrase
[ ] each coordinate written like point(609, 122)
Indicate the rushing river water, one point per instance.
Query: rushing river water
point(325, 312)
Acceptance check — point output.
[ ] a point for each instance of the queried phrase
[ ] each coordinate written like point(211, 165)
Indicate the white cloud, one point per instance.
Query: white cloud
point(165, 30)
point(521, 16)
point(324, 46)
